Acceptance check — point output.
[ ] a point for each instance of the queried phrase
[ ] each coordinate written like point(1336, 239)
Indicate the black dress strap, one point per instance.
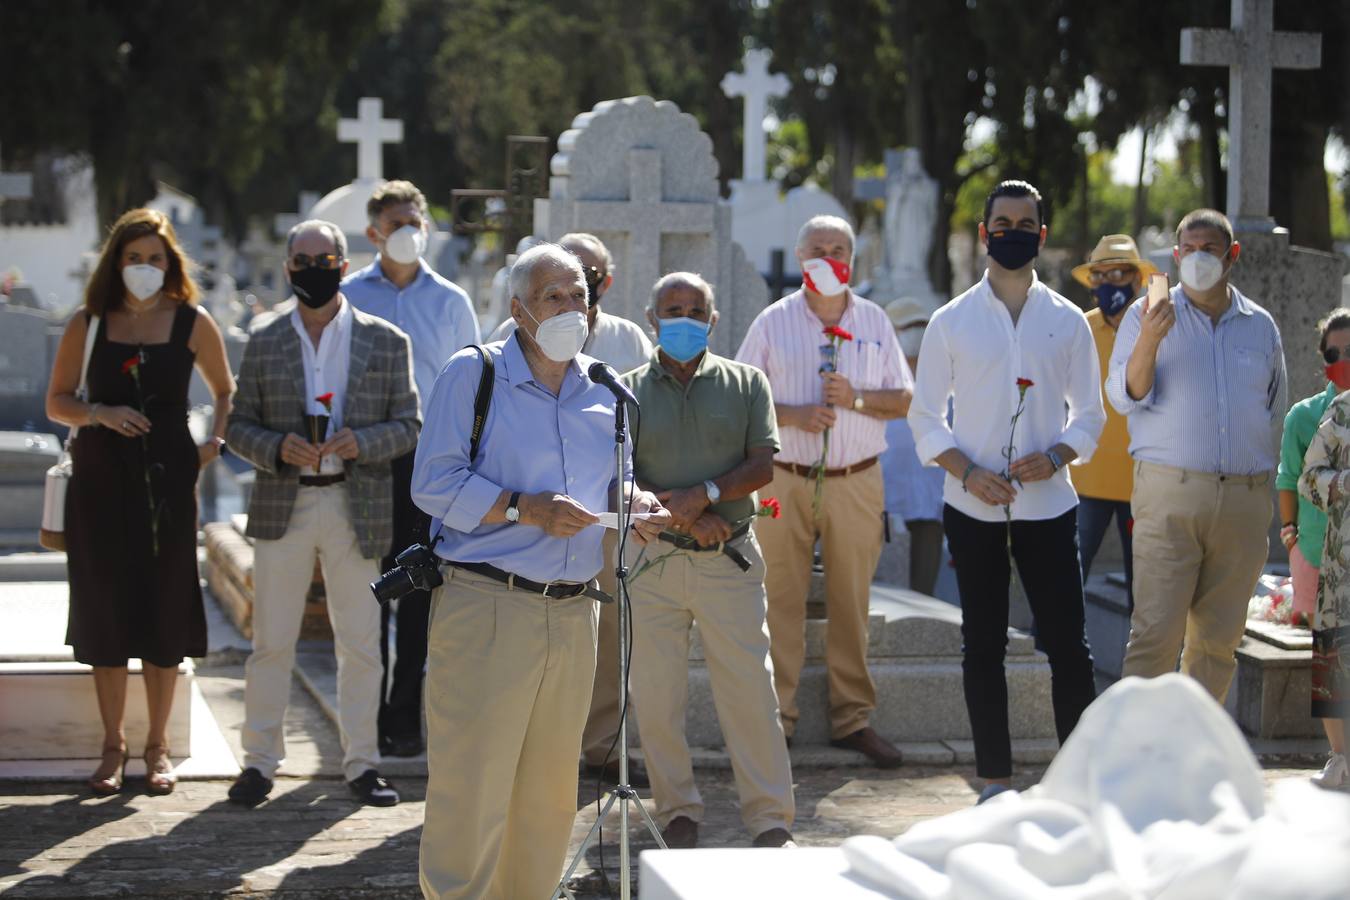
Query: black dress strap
point(183, 319)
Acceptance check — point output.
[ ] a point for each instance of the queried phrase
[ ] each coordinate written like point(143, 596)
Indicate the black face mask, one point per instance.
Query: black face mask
point(1013, 249)
point(314, 286)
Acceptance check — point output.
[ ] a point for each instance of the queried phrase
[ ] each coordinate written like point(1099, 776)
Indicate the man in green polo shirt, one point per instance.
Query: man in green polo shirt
point(707, 441)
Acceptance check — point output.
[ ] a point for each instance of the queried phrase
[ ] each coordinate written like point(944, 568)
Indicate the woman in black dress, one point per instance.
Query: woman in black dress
point(131, 507)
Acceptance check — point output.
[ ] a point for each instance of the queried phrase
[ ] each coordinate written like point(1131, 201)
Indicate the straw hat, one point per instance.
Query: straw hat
point(904, 312)
point(1114, 249)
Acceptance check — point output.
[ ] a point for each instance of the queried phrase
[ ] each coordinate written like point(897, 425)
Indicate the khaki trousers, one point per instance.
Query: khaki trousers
point(508, 681)
point(602, 723)
point(680, 588)
point(1200, 543)
point(850, 541)
point(282, 571)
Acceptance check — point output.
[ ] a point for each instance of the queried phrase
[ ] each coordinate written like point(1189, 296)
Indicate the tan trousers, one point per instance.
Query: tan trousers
point(282, 571)
point(850, 539)
point(508, 682)
point(602, 723)
point(683, 587)
point(1200, 542)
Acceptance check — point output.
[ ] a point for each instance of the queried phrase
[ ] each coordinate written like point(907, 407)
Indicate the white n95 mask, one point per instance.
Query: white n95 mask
point(1201, 271)
point(406, 245)
point(142, 280)
point(561, 337)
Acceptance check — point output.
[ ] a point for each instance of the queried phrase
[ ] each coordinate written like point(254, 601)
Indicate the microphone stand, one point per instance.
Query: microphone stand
point(623, 793)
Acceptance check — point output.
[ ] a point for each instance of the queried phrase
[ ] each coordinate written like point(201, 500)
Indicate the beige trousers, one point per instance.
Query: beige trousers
point(508, 681)
point(1200, 542)
point(282, 571)
point(602, 723)
point(680, 588)
point(850, 539)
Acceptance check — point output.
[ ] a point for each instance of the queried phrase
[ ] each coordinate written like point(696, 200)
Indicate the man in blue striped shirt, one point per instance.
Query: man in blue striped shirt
point(1200, 376)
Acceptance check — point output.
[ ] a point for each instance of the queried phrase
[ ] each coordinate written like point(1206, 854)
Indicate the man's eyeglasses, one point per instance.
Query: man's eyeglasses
point(1118, 275)
point(300, 261)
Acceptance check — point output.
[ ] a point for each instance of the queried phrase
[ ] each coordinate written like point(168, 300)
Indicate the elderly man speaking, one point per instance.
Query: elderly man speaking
point(513, 629)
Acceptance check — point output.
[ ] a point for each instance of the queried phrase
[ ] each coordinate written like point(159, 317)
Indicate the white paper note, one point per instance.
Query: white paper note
point(611, 519)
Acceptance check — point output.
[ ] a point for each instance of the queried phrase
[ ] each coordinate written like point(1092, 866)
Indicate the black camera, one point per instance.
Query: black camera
point(415, 569)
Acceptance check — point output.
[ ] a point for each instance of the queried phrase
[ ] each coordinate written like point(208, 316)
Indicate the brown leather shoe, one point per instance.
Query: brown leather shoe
point(872, 745)
point(680, 833)
point(775, 837)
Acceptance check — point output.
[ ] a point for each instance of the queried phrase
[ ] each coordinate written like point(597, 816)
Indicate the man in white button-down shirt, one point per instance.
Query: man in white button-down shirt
point(979, 351)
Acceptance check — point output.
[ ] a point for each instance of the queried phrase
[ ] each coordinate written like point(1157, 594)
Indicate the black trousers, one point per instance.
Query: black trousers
point(401, 688)
point(1046, 553)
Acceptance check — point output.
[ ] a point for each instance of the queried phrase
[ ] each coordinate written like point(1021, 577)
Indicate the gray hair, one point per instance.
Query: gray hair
point(522, 271)
point(333, 233)
point(825, 223)
point(681, 279)
point(590, 242)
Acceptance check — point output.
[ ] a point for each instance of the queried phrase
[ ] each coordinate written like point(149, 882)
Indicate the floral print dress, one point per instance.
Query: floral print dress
point(1328, 456)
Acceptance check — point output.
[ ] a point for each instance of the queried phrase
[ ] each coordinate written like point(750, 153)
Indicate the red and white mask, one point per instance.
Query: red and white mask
point(827, 277)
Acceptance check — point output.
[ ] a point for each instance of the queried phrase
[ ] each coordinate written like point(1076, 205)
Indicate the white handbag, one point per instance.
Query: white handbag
point(53, 532)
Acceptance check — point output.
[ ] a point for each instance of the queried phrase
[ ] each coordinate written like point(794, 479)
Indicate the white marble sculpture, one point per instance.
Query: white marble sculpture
point(1155, 795)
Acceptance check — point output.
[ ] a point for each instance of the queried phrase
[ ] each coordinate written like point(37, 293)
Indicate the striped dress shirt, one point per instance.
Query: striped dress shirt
point(785, 341)
point(1219, 392)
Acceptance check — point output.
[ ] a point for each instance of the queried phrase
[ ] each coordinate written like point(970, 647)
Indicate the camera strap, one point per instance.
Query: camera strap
point(482, 400)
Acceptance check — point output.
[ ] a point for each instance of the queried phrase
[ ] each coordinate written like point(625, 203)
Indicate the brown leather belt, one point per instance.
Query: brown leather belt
point(322, 480)
point(810, 471)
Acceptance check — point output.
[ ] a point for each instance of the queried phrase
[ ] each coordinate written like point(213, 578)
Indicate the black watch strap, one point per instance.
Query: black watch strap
point(513, 503)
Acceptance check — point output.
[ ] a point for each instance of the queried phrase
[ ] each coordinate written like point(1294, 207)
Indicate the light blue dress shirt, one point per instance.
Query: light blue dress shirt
point(1218, 399)
point(532, 441)
point(913, 490)
point(435, 313)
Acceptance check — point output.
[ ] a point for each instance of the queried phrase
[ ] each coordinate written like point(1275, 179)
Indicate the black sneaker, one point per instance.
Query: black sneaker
point(250, 788)
point(372, 789)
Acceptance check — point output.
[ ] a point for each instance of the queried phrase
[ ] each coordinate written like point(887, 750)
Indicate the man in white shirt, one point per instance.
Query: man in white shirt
point(438, 318)
point(1019, 365)
point(624, 346)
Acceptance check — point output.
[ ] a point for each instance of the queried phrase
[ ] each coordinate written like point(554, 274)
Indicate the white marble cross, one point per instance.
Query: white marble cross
point(370, 131)
point(16, 185)
point(1251, 50)
point(756, 86)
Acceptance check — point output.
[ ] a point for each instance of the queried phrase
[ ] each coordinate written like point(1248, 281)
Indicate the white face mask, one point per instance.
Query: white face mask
point(562, 336)
point(911, 339)
point(406, 245)
point(143, 281)
point(1201, 271)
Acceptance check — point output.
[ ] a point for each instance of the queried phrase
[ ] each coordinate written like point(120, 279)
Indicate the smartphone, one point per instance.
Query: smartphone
point(1157, 290)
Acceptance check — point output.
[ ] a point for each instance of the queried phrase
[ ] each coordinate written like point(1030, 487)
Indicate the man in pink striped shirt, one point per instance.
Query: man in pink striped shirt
point(846, 388)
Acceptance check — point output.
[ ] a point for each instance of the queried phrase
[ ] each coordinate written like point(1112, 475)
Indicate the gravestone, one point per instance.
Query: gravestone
point(763, 218)
point(15, 185)
point(346, 205)
point(640, 175)
point(1297, 285)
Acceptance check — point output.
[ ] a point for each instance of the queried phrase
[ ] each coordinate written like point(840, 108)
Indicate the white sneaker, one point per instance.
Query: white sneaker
point(1333, 774)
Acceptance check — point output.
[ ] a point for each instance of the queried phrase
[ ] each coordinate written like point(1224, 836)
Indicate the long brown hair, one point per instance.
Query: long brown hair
point(105, 291)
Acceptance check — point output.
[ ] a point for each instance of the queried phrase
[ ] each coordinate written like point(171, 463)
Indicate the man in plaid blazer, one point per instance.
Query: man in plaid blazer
point(326, 399)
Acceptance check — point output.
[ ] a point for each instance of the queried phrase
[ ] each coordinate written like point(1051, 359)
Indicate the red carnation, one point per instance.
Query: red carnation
point(835, 331)
point(1025, 383)
point(130, 365)
point(326, 400)
point(771, 508)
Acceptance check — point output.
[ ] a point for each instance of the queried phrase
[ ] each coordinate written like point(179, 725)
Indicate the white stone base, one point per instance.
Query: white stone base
point(816, 873)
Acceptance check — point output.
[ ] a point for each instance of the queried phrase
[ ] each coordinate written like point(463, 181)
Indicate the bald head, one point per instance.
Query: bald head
point(685, 281)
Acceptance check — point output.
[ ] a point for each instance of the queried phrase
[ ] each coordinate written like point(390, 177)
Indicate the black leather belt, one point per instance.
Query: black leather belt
point(685, 542)
point(557, 590)
point(322, 480)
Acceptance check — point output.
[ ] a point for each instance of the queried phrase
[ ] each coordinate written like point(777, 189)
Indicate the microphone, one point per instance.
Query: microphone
point(603, 375)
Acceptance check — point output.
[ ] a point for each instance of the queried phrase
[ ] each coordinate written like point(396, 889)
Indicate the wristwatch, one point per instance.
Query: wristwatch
point(1054, 459)
point(713, 492)
point(858, 402)
point(221, 447)
point(513, 508)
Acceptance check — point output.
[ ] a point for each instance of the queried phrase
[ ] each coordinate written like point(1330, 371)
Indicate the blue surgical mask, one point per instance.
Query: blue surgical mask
point(1112, 298)
point(683, 338)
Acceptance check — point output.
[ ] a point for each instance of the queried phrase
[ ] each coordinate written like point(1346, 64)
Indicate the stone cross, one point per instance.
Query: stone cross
point(756, 86)
point(16, 185)
point(1251, 50)
point(369, 131)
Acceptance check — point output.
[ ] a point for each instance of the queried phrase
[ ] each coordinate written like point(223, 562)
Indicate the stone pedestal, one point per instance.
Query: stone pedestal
point(229, 576)
point(1271, 694)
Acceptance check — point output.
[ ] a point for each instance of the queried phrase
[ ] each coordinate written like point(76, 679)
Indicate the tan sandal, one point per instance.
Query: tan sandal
point(159, 776)
point(107, 778)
